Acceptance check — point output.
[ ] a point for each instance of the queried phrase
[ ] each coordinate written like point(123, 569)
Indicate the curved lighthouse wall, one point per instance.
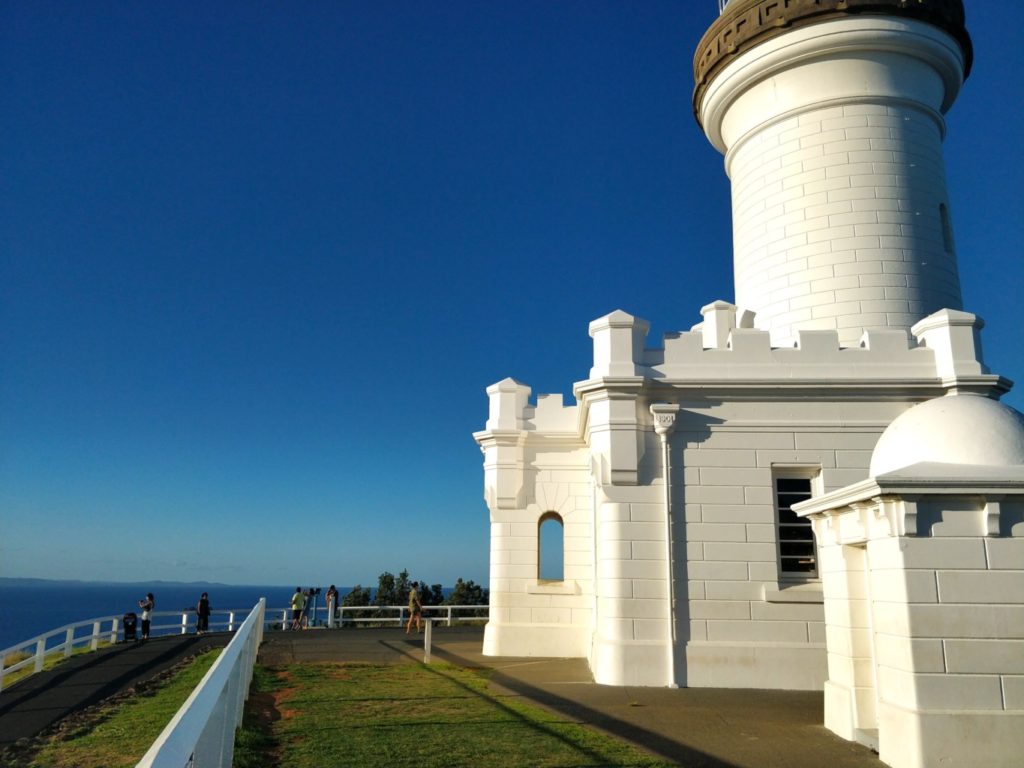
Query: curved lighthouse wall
point(833, 143)
point(841, 221)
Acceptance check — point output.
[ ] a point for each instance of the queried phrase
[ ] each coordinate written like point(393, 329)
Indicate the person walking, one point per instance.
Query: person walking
point(203, 614)
point(298, 606)
point(146, 604)
point(415, 608)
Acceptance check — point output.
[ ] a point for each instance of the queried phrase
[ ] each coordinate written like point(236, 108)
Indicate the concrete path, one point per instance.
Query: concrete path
point(36, 703)
point(694, 727)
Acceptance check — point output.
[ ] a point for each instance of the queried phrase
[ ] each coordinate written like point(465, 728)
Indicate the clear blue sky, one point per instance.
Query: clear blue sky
point(258, 261)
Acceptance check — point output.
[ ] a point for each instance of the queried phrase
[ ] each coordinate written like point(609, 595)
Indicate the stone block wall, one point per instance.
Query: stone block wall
point(925, 621)
point(949, 623)
point(717, 612)
point(747, 626)
point(631, 630)
point(530, 479)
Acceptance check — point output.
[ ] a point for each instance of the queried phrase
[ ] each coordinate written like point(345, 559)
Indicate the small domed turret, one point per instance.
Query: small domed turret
point(957, 429)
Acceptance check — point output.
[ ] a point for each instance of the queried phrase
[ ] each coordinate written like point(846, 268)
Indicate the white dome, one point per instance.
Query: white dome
point(957, 429)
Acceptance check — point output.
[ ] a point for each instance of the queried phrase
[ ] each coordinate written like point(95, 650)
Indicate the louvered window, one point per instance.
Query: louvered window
point(796, 540)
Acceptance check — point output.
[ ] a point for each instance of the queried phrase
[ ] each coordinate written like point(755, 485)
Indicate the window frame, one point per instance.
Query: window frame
point(549, 516)
point(812, 474)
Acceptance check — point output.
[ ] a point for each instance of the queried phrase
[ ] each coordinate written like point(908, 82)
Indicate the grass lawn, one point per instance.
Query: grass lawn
point(120, 734)
point(408, 715)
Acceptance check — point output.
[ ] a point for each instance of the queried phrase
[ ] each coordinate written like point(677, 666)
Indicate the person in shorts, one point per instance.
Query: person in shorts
point(298, 608)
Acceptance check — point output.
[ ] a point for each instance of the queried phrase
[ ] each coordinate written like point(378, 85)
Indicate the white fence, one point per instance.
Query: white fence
point(202, 733)
point(61, 642)
point(354, 615)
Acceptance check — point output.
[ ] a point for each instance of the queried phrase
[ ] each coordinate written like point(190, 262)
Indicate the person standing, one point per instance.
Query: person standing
point(332, 603)
point(415, 608)
point(146, 604)
point(203, 614)
point(309, 607)
point(298, 605)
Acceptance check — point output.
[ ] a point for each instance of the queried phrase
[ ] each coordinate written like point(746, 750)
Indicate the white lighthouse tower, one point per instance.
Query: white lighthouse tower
point(815, 486)
point(829, 115)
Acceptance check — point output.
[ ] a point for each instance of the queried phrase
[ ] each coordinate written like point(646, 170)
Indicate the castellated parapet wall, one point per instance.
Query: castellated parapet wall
point(942, 350)
point(745, 411)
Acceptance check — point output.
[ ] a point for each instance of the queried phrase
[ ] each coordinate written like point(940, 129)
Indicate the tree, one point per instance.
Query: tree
point(432, 595)
point(402, 588)
point(359, 595)
point(387, 594)
point(467, 593)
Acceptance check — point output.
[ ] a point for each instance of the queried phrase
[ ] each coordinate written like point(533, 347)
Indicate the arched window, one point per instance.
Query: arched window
point(551, 545)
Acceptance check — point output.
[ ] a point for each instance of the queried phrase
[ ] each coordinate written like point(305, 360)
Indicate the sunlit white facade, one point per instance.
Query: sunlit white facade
point(725, 523)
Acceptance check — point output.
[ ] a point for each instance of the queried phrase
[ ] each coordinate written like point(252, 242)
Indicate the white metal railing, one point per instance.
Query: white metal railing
point(105, 629)
point(202, 733)
point(354, 615)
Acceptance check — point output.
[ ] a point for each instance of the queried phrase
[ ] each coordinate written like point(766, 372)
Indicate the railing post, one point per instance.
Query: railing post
point(40, 653)
point(69, 637)
point(449, 615)
point(231, 621)
point(113, 631)
point(95, 642)
point(427, 637)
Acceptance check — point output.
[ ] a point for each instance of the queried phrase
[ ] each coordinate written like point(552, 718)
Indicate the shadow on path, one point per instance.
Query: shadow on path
point(36, 703)
point(575, 711)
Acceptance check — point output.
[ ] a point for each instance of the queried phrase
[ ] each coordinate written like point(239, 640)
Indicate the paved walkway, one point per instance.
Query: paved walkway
point(695, 727)
point(36, 703)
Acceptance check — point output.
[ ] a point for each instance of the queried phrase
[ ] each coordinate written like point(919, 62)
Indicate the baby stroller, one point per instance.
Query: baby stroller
point(130, 622)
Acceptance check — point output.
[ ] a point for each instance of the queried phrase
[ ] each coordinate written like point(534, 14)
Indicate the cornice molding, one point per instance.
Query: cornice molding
point(745, 24)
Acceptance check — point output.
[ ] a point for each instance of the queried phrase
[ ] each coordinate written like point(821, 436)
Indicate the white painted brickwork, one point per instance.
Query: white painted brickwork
point(599, 465)
point(837, 225)
point(925, 631)
point(843, 245)
point(737, 602)
point(970, 618)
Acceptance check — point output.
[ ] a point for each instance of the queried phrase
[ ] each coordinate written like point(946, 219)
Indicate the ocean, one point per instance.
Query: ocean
point(29, 607)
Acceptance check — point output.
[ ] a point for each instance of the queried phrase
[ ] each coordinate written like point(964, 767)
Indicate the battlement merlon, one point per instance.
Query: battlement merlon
point(944, 354)
point(512, 414)
point(954, 337)
point(618, 345)
point(508, 400)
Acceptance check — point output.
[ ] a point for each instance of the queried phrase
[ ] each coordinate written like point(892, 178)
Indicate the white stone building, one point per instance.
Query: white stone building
point(675, 475)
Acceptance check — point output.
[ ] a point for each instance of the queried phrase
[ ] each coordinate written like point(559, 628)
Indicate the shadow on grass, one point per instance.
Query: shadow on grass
point(653, 743)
